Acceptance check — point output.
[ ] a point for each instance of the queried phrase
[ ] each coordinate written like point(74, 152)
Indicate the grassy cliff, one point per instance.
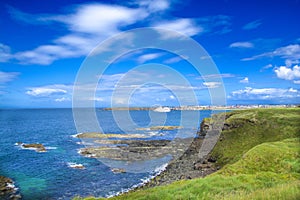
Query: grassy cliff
point(259, 155)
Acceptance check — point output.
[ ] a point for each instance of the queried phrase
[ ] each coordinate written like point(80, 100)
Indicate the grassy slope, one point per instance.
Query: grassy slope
point(255, 166)
point(258, 126)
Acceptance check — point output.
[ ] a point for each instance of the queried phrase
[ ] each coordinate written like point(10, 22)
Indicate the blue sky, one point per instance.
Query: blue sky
point(254, 44)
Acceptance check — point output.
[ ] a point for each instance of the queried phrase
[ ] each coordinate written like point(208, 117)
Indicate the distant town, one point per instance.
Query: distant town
point(204, 107)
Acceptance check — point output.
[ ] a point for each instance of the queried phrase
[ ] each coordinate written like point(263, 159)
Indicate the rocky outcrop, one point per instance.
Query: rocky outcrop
point(224, 121)
point(161, 128)
point(136, 150)
point(108, 135)
point(118, 170)
point(186, 166)
point(7, 189)
point(35, 146)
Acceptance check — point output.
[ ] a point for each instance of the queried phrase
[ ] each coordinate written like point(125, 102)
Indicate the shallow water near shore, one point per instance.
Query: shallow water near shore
point(48, 175)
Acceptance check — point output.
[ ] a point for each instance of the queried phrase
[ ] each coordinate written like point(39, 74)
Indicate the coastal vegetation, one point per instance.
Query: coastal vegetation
point(258, 157)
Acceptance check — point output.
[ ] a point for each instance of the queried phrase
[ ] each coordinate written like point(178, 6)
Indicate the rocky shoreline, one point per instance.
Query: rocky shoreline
point(8, 191)
point(187, 166)
point(192, 159)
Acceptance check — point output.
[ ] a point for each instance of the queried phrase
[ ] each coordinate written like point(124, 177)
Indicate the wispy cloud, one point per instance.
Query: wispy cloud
point(88, 24)
point(173, 60)
point(213, 76)
point(62, 99)
point(268, 66)
point(252, 25)
point(291, 52)
point(264, 94)
point(212, 84)
point(218, 24)
point(8, 76)
point(48, 90)
point(241, 45)
point(150, 56)
point(185, 26)
point(154, 5)
point(5, 54)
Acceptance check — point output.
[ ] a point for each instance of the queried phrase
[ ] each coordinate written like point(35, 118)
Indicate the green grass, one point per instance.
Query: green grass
point(266, 125)
point(259, 159)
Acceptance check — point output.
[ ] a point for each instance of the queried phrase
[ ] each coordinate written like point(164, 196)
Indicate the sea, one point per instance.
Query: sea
point(49, 175)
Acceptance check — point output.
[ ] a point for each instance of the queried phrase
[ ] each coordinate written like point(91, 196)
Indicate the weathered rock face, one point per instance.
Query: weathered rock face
point(7, 189)
point(187, 166)
point(223, 121)
point(205, 126)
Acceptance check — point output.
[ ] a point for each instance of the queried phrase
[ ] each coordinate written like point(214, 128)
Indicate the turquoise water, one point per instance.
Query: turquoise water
point(48, 175)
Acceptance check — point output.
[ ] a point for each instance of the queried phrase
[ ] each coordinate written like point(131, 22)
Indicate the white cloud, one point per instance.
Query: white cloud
point(171, 97)
point(7, 76)
point(241, 45)
point(4, 53)
point(268, 66)
point(297, 82)
point(245, 80)
point(252, 25)
point(147, 57)
point(212, 84)
point(289, 62)
point(48, 90)
point(62, 99)
point(173, 60)
point(291, 52)
point(213, 76)
point(185, 26)
point(218, 24)
point(101, 18)
point(264, 93)
point(88, 25)
point(154, 5)
point(286, 73)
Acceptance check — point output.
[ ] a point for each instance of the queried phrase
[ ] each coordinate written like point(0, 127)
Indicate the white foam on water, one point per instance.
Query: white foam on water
point(50, 148)
point(157, 171)
point(75, 135)
point(75, 165)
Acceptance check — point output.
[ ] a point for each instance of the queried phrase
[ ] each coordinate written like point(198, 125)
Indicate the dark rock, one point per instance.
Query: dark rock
point(37, 147)
point(8, 190)
point(212, 159)
point(118, 170)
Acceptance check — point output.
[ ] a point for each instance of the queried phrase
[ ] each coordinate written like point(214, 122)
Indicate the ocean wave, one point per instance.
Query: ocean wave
point(11, 186)
point(75, 135)
point(75, 165)
point(157, 171)
point(50, 148)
